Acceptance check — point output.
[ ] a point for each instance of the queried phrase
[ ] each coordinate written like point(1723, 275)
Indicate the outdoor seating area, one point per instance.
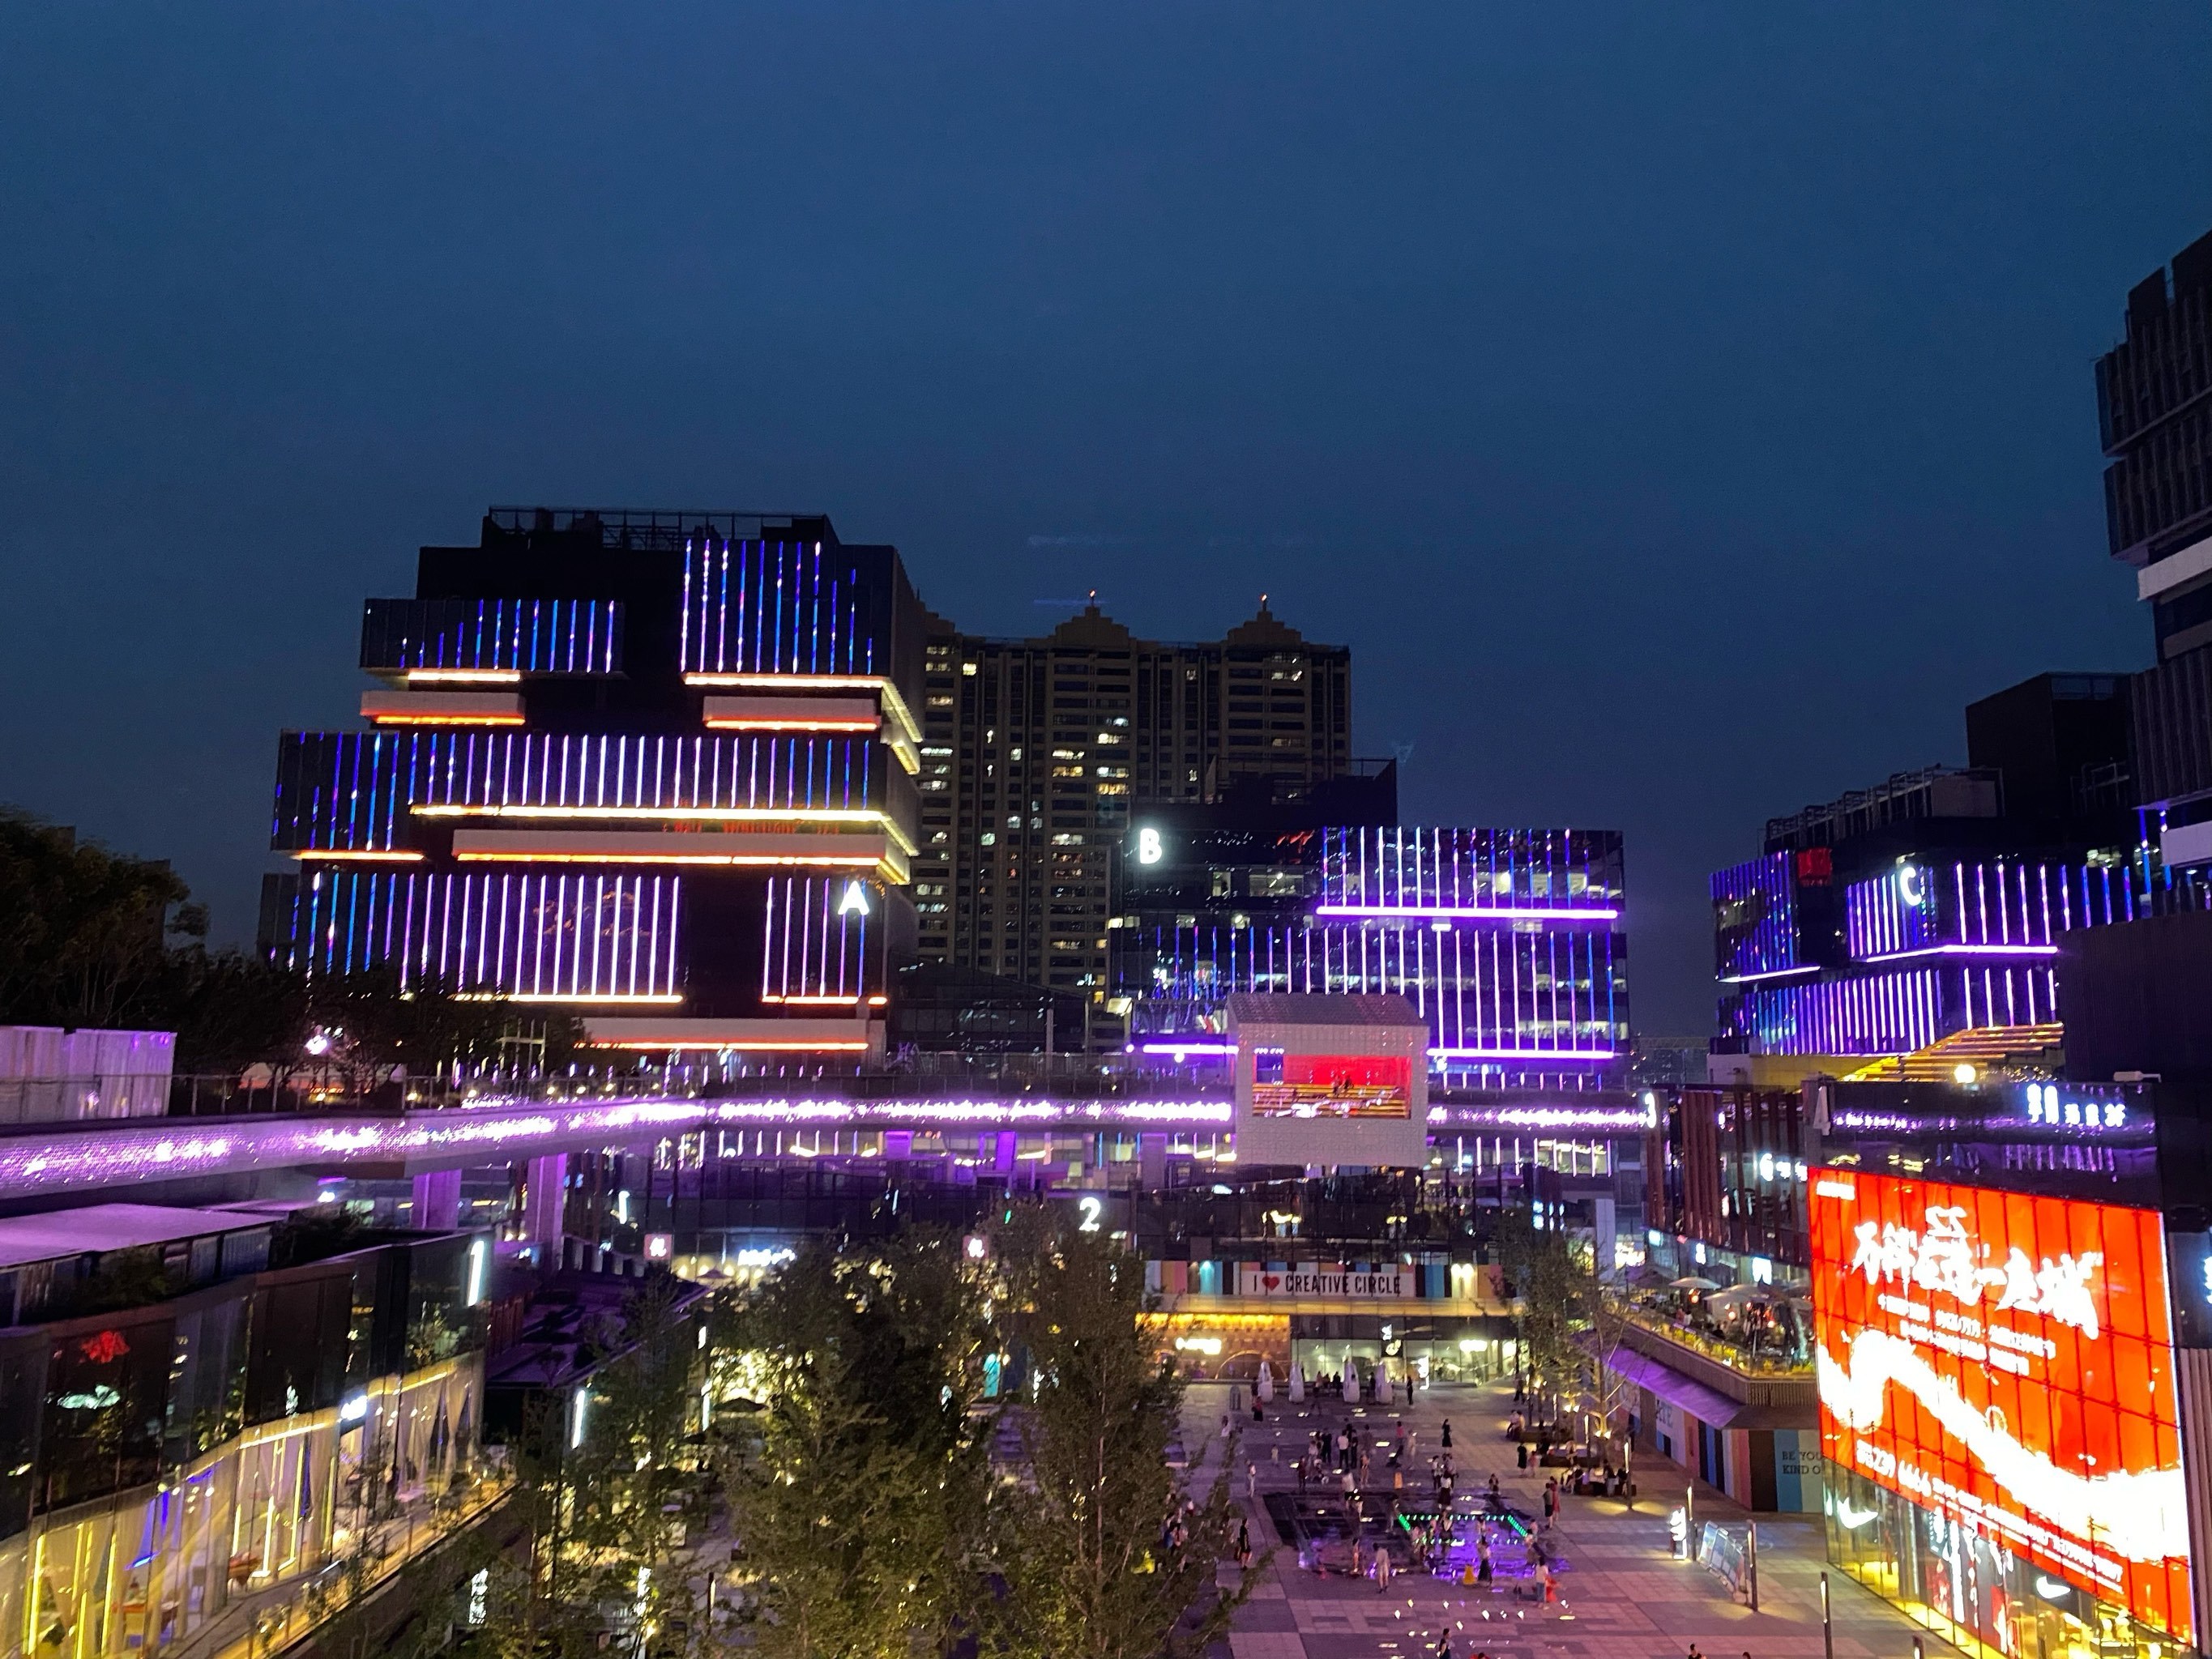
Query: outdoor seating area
point(1759, 1329)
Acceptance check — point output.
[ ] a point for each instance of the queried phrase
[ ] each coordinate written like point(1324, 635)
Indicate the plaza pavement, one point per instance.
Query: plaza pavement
point(1623, 1597)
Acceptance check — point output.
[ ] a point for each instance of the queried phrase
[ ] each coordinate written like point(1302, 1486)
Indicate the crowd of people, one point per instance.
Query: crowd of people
point(1351, 1460)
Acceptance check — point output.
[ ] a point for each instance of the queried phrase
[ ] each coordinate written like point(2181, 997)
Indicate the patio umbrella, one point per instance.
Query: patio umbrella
point(1265, 1386)
point(1382, 1382)
point(1692, 1282)
point(1298, 1382)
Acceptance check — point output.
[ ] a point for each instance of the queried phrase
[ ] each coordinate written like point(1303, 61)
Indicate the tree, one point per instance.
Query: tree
point(1549, 1289)
point(1614, 1391)
point(84, 931)
point(1091, 1568)
point(862, 1502)
point(636, 1480)
point(610, 1520)
point(377, 1025)
point(233, 1012)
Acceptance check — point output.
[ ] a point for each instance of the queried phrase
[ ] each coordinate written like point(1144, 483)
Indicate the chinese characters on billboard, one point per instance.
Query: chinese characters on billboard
point(2006, 1361)
point(1330, 1085)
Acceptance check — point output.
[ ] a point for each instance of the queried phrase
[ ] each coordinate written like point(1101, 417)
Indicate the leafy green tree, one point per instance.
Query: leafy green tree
point(1091, 1568)
point(1550, 1289)
point(635, 1482)
point(84, 931)
point(608, 1524)
point(377, 1026)
point(861, 1501)
point(233, 1012)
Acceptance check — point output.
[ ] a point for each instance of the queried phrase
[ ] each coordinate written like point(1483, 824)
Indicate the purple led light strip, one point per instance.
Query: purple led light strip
point(113, 1154)
point(1967, 950)
point(1524, 1054)
point(1471, 912)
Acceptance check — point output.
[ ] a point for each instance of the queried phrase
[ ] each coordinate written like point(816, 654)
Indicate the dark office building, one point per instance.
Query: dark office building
point(653, 766)
point(2059, 745)
point(1197, 875)
point(1726, 1168)
point(2155, 415)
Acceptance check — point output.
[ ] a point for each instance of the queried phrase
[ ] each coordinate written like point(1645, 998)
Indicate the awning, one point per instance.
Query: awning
point(1708, 1405)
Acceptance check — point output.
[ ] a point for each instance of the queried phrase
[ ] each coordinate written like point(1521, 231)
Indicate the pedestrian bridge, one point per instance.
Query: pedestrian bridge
point(53, 1160)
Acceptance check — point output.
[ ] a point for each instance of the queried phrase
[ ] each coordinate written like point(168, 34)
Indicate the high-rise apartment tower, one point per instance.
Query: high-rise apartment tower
point(1034, 753)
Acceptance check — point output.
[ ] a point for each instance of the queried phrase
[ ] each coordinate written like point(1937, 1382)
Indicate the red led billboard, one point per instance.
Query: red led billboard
point(2007, 1361)
point(1330, 1085)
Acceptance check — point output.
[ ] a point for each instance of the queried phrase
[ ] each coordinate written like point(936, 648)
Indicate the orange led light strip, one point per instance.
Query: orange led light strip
point(869, 815)
point(523, 855)
point(766, 723)
point(893, 699)
point(667, 1001)
point(465, 676)
point(383, 718)
point(359, 855)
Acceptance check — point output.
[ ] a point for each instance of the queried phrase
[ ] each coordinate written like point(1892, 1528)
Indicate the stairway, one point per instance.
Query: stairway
point(1985, 1048)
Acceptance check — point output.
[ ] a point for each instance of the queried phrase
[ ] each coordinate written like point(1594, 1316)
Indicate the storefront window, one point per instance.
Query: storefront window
point(1957, 1582)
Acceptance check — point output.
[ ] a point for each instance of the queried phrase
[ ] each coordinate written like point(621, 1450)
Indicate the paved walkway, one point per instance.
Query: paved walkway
point(1623, 1595)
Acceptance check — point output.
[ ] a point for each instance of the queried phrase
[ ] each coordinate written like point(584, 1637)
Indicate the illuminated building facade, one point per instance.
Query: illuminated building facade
point(1036, 753)
point(1508, 942)
point(1897, 917)
point(2014, 1353)
point(657, 767)
point(168, 1462)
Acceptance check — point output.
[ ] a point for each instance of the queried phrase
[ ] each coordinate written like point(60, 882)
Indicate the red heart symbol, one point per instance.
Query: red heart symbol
point(1270, 1281)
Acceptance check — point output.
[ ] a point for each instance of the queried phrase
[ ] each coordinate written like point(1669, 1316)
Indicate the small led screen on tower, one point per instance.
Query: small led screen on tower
point(1330, 1086)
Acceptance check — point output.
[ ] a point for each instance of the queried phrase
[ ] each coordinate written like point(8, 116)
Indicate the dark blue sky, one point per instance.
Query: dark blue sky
point(1682, 410)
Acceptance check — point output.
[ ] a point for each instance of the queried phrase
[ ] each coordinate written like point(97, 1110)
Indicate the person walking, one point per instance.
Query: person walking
point(1483, 1568)
point(1443, 1645)
point(1243, 1545)
point(1447, 1434)
point(1381, 1568)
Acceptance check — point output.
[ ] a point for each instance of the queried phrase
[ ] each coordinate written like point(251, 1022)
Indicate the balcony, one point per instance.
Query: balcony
point(1709, 1353)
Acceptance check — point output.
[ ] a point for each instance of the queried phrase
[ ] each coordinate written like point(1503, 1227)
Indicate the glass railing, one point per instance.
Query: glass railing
point(1715, 1342)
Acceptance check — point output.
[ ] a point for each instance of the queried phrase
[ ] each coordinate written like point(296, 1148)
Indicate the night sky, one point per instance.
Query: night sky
point(1682, 411)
